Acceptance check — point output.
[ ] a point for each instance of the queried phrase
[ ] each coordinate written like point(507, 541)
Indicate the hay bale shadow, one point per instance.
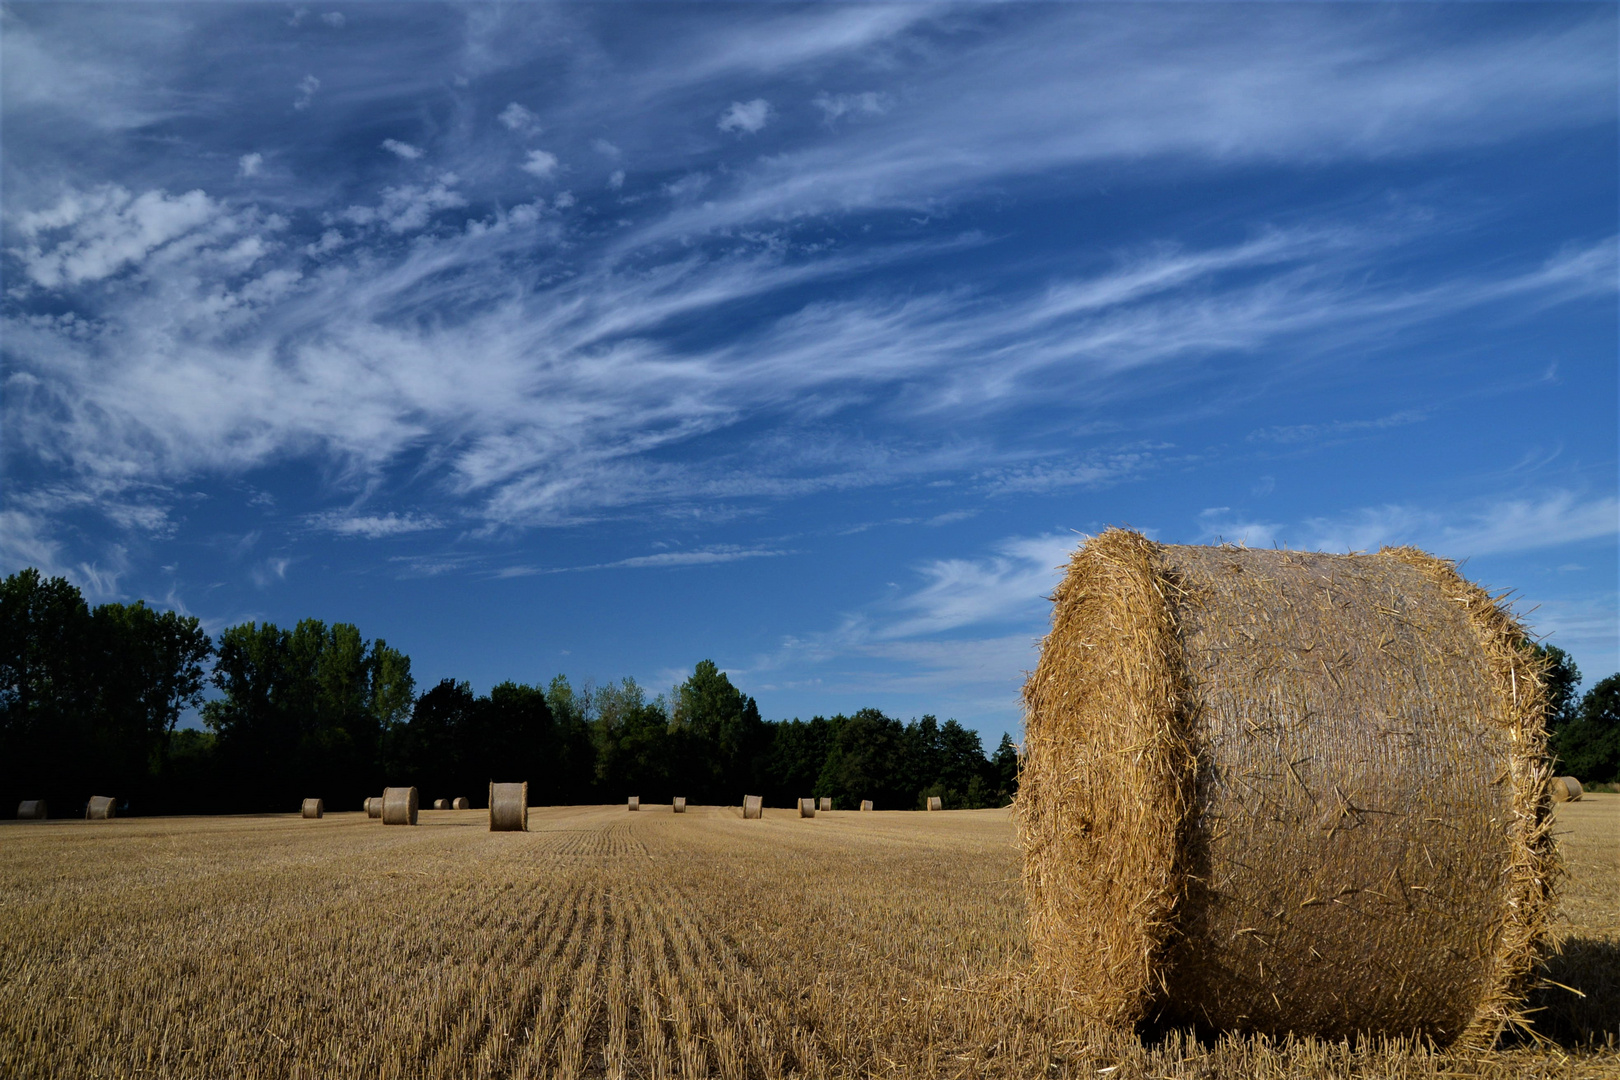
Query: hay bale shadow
point(1590, 965)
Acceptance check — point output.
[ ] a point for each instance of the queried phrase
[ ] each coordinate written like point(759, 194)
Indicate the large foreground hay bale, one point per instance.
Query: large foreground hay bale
point(441, 804)
point(935, 802)
point(807, 808)
point(635, 802)
point(399, 806)
point(509, 807)
point(100, 808)
point(866, 804)
point(314, 808)
point(680, 804)
point(1285, 791)
point(1566, 789)
point(824, 804)
point(460, 803)
point(753, 806)
point(374, 806)
point(31, 810)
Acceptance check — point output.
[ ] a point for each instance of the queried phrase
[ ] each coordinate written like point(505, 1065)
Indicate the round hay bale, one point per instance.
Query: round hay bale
point(460, 803)
point(1566, 789)
point(680, 804)
point(374, 806)
point(866, 804)
point(399, 806)
point(1285, 792)
point(935, 802)
point(441, 804)
point(807, 808)
point(509, 807)
point(824, 804)
point(753, 806)
point(100, 808)
point(314, 808)
point(31, 810)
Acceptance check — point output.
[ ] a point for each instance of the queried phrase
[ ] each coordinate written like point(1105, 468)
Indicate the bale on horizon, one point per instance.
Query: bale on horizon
point(100, 808)
point(460, 803)
point(1566, 789)
point(441, 804)
point(374, 806)
point(680, 804)
point(753, 807)
point(824, 804)
point(509, 807)
point(807, 808)
point(635, 802)
point(866, 804)
point(399, 806)
point(1285, 791)
point(313, 808)
point(935, 802)
point(31, 810)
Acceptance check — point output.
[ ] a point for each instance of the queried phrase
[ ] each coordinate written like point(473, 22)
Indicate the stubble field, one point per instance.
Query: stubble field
point(607, 943)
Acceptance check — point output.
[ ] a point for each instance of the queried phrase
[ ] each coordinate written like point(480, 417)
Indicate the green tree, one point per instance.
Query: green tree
point(1588, 746)
point(1004, 767)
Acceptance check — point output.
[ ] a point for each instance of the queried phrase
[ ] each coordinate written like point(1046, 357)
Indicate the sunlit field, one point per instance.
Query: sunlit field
point(608, 943)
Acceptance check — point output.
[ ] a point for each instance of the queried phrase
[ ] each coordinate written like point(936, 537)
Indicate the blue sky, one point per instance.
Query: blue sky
point(600, 339)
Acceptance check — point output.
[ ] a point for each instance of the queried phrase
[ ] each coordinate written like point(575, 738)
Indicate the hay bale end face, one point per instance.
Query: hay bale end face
point(866, 804)
point(935, 802)
point(1566, 789)
point(824, 804)
point(460, 803)
point(31, 810)
point(680, 804)
point(399, 806)
point(374, 806)
point(313, 808)
point(1260, 784)
point(441, 804)
point(509, 807)
point(807, 808)
point(100, 808)
point(753, 806)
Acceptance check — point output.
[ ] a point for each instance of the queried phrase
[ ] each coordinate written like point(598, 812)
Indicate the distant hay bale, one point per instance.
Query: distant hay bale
point(935, 802)
point(635, 802)
point(441, 804)
point(314, 808)
point(509, 807)
point(374, 806)
point(100, 808)
point(753, 806)
point(399, 806)
point(31, 810)
point(680, 804)
point(824, 804)
point(807, 808)
point(1285, 792)
point(866, 804)
point(460, 803)
point(1566, 789)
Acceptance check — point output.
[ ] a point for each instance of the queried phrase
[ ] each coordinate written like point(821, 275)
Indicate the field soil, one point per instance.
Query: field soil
point(615, 944)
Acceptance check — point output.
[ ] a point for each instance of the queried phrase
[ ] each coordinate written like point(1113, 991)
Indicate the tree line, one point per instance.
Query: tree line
point(91, 698)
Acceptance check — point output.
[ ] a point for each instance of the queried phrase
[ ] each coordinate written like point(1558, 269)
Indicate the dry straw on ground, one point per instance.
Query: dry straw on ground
point(680, 804)
point(935, 802)
point(866, 804)
point(100, 808)
point(635, 802)
point(753, 806)
point(1281, 791)
point(807, 808)
point(32, 810)
point(374, 806)
point(460, 803)
point(1565, 789)
point(313, 808)
point(399, 806)
point(509, 807)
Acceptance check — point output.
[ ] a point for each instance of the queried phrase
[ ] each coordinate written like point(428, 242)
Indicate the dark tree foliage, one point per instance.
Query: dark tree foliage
point(1588, 744)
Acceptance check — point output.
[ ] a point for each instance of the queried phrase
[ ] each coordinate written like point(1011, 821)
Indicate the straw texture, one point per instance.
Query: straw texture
point(31, 810)
point(399, 806)
point(824, 804)
point(866, 804)
point(441, 804)
point(1566, 789)
point(935, 802)
point(100, 808)
point(753, 806)
point(509, 807)
point(374, 806)
point(807, 808)
point(1283, 791)
point(460, 803)
point(635, 802)
point(680, 804)
point(314, 808)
